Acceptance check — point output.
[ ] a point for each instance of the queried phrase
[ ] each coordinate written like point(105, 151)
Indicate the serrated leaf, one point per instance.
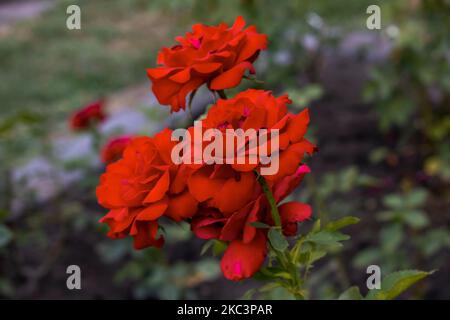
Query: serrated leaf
point(326, 237)
point(277, 240)
point(341, 223)
point(396, 283)
point(351, 293)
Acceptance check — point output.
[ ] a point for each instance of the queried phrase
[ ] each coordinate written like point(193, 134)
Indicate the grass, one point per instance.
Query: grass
point(48, 70)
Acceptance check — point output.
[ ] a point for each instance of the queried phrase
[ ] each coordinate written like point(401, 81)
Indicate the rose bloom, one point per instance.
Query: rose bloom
point(142, 187)
point(114, 148)
point(87, 116)
point(231, 197)
point(247, 247)
point(215, 55)
point(259, 109)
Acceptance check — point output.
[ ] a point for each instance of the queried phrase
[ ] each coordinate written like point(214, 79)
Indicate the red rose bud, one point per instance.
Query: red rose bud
point(87, 116)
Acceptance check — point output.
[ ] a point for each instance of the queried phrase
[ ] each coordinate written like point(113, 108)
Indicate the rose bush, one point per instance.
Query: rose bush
point(234, 204)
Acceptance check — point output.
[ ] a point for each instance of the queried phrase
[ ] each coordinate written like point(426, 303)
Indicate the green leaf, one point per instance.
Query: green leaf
point(248, 295)
point(391, 237)
point(351, 293)
point(259, 225)
point(341, 223)
point(416, 198)
point(273, 272)
point(366, 257)
point(416, 219)
point(316, 226)
point(396, 283)
point(393, 201)
point(5, 235)
point(206, 247)
point(277, 240)
point(327, 238)
point(219, 247)
point(306, 95)
point(3, 214)
point(311, 256)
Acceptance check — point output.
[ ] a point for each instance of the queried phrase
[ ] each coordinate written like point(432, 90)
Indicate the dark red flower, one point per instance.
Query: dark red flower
point(113, 149)
point(215, 55)
point(247, 244)
point(259, 109)
point(88, 116)
point(141, 187)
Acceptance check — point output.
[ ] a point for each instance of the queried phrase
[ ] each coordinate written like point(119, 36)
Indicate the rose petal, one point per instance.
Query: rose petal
point(242, 260)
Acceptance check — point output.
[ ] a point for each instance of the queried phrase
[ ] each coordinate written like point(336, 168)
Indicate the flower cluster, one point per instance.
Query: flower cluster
point(221, 201)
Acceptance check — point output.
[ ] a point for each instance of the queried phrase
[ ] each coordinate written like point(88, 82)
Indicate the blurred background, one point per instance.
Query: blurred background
point(379, 103)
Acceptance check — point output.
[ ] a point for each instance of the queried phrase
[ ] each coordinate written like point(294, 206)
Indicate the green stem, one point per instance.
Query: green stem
point(273, 204)
point(96, 139)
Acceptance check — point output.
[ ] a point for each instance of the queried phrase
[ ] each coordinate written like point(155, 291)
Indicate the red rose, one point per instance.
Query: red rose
point(113, 149)
point(215, 55)
point(259, 109)
point(247, 244)
point(141, 187)
point(87, 116)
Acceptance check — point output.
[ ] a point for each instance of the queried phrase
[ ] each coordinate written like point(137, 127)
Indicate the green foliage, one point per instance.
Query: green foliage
point(411, 89)
point(5, 235)
point(303, 97)
point(289, 267)
point(351, 293)
point(277, 240)
point(404, 216)
point(392, 286)
point(405, 209)
point(151, 275)
point(396, 283)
